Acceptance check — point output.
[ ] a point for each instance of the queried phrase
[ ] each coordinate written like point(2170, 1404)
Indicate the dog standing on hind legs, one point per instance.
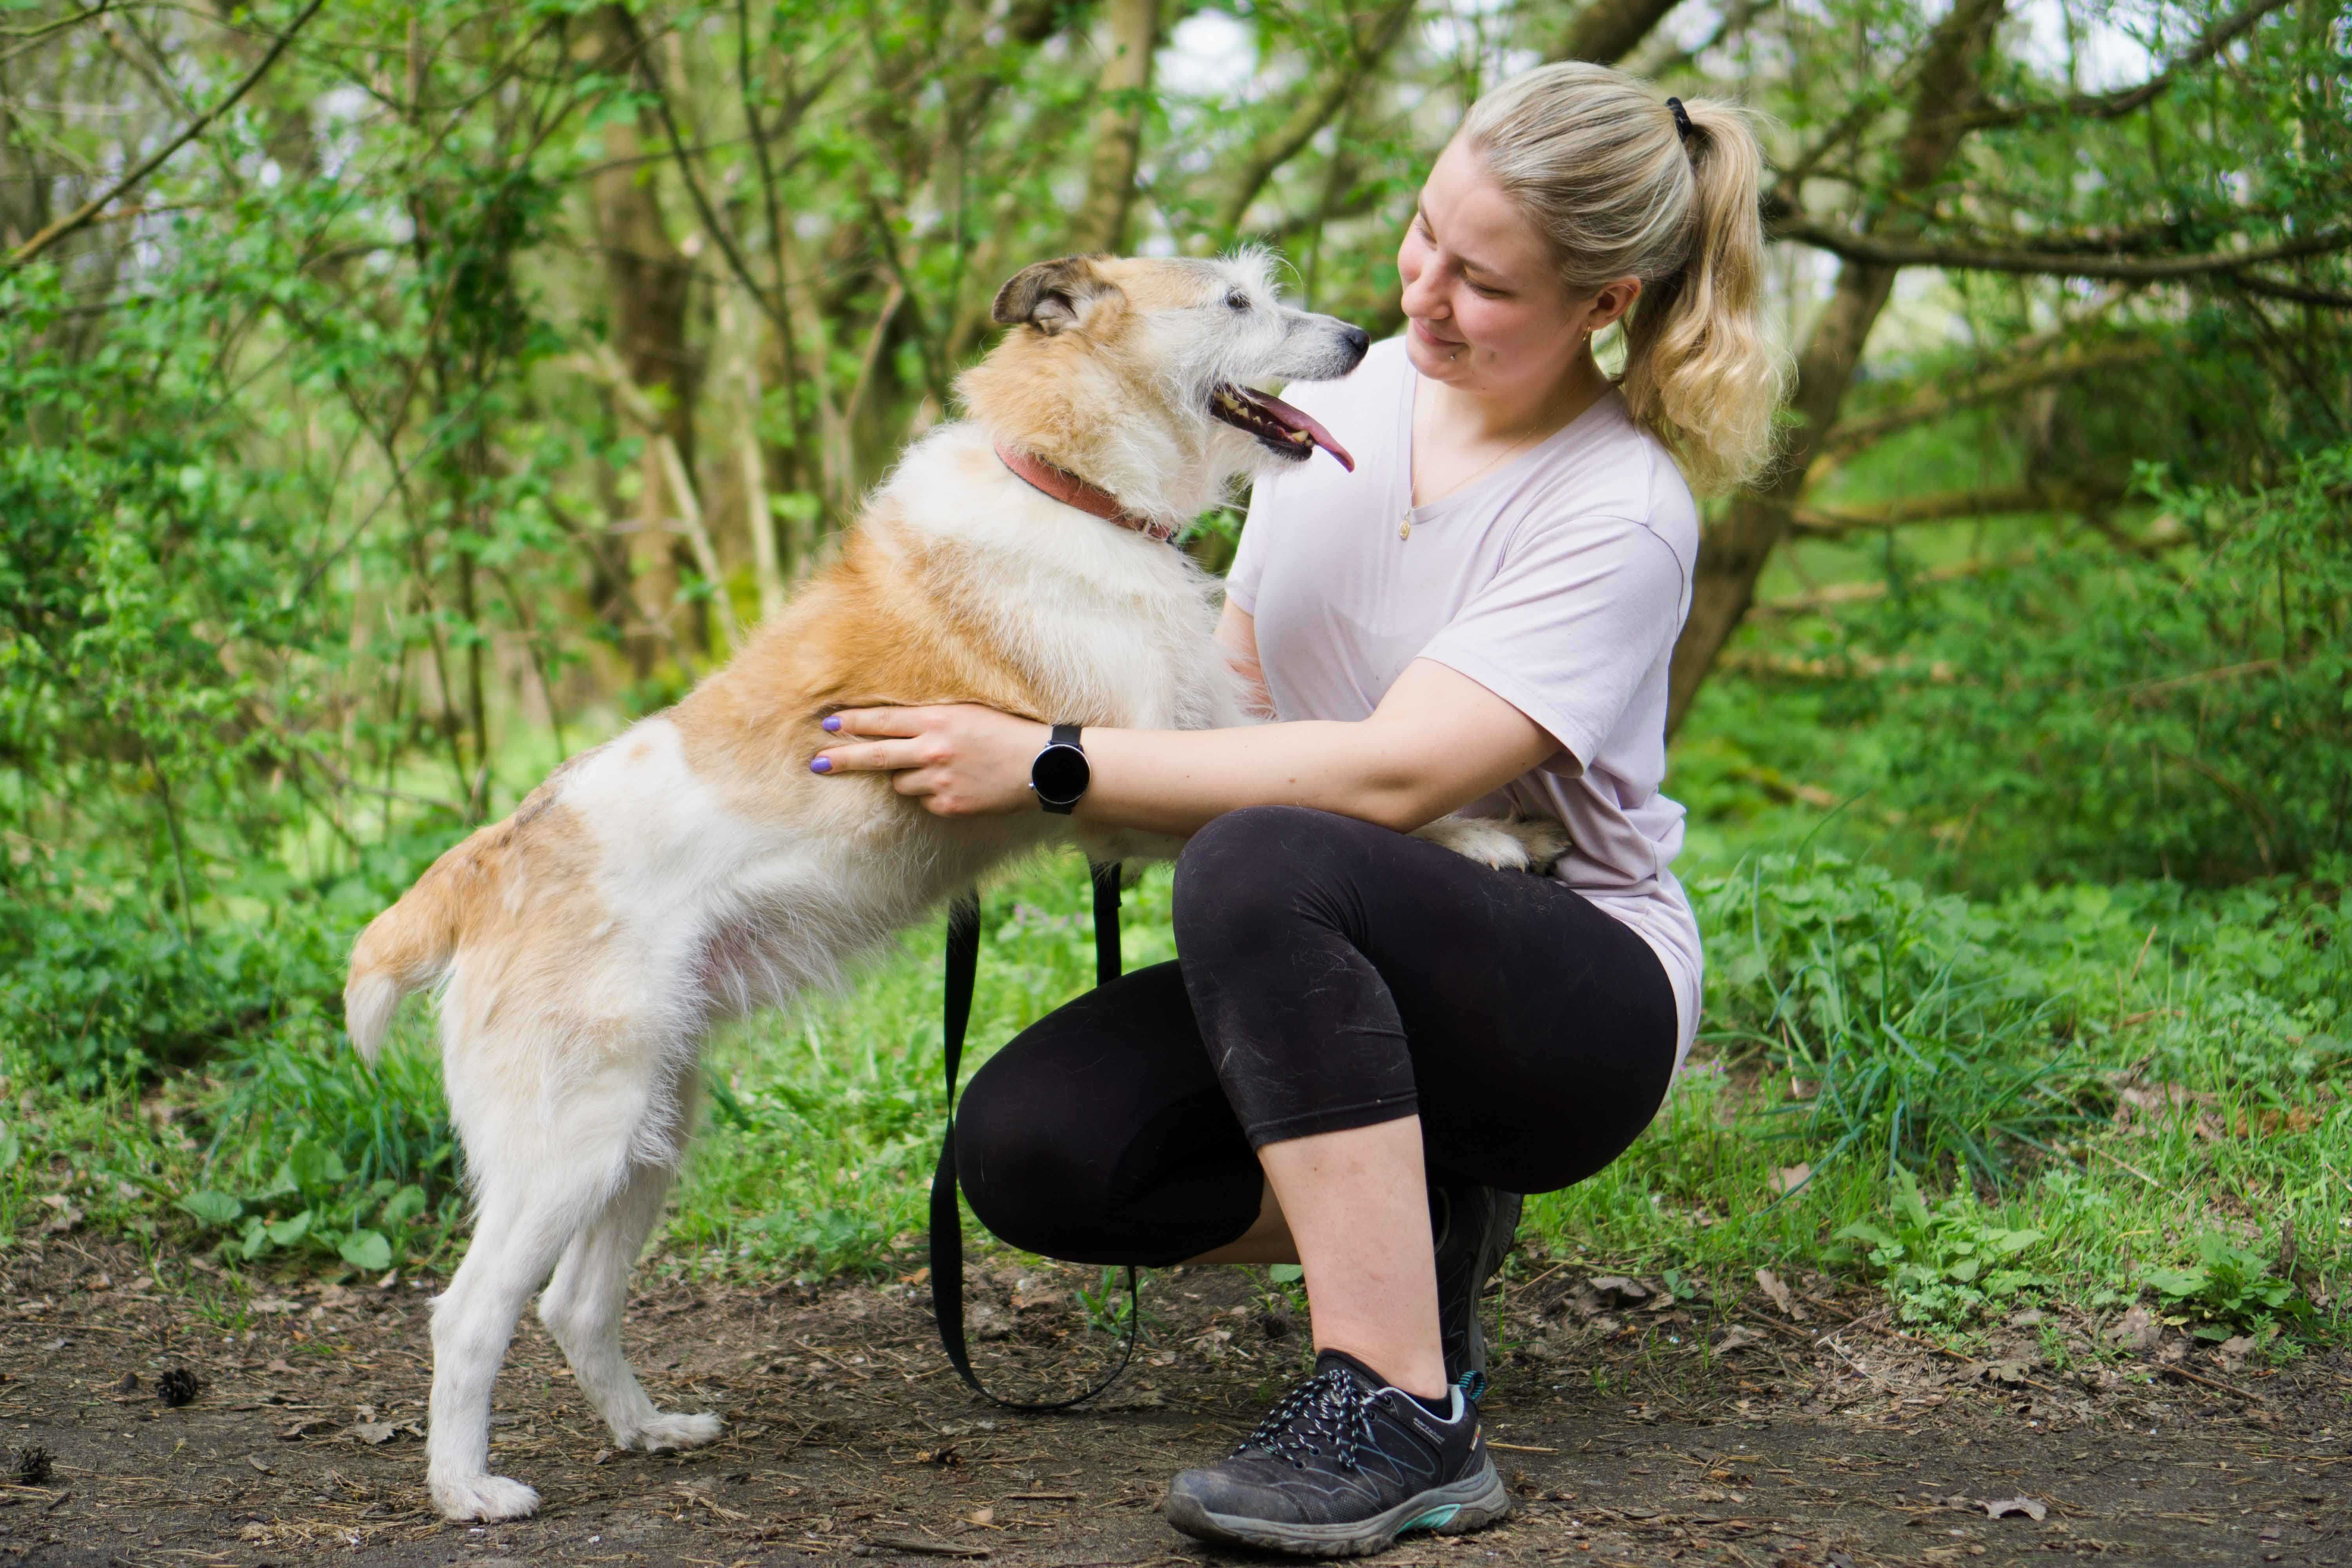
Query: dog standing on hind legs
point(693, 869)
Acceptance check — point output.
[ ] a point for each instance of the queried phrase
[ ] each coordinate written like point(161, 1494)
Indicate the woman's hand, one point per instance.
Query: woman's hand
point(962, 760)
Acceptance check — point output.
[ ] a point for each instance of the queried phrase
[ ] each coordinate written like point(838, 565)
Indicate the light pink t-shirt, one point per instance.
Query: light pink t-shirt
point(1557, 581)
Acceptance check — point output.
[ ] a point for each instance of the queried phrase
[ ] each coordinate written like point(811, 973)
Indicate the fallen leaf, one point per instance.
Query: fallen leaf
point(2136, 1329)
point(1773, 1286)
point(1739, 1337)
point(2007, 1506)
point(1789, 1178)
point(372, 1432)
point(2234, 1351)
point(303, 1429)
point(983, 1516)
point(257, 1465)
point(1618, 1290)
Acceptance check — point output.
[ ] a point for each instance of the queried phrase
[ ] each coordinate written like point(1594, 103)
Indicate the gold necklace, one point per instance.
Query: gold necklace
point(1405, 523)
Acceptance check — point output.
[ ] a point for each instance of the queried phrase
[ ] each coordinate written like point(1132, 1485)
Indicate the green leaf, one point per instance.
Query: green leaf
point(213, 1209)
point(287, 1232)
point(1286, 1273)
point(366, 1250)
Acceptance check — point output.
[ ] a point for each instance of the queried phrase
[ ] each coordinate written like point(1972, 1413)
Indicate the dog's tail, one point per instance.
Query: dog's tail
point(407, 948)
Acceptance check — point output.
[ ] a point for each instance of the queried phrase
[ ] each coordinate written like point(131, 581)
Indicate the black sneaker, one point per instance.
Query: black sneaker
point(1341, 1467)
point(1474, 1227)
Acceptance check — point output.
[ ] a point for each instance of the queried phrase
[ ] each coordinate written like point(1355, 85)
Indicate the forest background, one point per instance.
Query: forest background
point(398, 396)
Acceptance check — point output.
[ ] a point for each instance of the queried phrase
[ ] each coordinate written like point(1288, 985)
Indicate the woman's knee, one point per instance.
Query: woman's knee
point(1250, 872)
point(1023, 1164)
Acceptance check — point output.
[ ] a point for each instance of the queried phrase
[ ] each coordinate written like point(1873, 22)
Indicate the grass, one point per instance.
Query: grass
point(1860, 1027)
point(1897, 1083)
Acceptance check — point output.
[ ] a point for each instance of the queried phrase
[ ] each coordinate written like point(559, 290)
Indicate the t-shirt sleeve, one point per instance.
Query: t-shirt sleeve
point(1249, 556)
point(1567, 630)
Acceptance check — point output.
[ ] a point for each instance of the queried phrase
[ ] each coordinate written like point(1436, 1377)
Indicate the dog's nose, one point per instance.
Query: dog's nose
point(1358, 340)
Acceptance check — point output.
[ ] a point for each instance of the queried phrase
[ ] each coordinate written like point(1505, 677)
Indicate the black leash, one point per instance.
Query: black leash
point(947, 1220)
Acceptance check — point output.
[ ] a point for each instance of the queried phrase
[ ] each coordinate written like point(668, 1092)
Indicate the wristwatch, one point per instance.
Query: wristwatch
point(1060, 774)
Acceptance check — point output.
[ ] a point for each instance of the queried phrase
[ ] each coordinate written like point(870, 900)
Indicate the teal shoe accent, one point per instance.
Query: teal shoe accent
point(1435, 1518)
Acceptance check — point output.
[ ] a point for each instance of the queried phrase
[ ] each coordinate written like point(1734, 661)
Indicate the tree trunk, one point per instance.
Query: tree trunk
point(1123, 87)
point(1732, 553)
point(1605, 31)
point(650, 280)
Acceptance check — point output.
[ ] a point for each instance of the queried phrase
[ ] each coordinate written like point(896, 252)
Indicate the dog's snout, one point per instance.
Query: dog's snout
point(1359, 341)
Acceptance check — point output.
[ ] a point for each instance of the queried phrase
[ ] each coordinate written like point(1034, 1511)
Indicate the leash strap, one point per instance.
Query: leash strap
point(946, 1219)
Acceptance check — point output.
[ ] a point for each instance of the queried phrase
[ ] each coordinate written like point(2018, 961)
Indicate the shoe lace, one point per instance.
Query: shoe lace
point(1332, 1405)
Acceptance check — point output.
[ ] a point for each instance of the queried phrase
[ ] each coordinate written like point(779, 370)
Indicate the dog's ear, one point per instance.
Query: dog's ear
point(1051, 295)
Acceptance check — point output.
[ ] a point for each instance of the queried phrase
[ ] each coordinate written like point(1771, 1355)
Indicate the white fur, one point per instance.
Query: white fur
point(573, 1092)
point(574, 1114)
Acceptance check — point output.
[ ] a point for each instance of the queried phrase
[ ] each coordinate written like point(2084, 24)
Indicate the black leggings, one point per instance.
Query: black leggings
point(1332, 975)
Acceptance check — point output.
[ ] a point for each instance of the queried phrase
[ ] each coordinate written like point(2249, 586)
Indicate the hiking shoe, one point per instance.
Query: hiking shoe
point(1474, 1227)
point(1341, 1467)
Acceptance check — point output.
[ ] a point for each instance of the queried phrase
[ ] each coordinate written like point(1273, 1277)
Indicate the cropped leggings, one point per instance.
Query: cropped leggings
point(1331, 974)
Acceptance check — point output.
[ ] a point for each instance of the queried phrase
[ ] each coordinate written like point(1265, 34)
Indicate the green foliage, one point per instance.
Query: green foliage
point(2100, 716)
point(1948, 1264)
point(1922, 1047)
point(2227, 1290)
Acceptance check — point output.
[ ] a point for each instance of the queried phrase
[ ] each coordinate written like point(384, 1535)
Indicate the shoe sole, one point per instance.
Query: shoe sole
point(1471, 1503)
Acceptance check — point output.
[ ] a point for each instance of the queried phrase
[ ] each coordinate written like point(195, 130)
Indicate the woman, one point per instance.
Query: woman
point(1368, 1043)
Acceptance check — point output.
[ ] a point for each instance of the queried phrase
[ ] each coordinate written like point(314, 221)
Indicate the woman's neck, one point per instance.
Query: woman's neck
point(1503, 415)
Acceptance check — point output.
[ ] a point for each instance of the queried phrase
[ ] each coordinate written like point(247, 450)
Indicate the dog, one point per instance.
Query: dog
point(694, 869)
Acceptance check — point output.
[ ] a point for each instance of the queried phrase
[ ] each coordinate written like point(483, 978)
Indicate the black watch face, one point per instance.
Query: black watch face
point(1060, 774)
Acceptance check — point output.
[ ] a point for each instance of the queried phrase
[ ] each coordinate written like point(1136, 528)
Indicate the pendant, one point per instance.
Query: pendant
point(1404, 526)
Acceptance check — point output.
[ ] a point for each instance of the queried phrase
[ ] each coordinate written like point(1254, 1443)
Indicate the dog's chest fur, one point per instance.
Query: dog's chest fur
point(722, 857)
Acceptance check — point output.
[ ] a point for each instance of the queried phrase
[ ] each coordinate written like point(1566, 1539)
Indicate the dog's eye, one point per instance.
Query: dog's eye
point(1237, 300)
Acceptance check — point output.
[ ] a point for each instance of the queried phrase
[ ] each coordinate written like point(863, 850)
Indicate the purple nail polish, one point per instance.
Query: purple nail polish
point(832, 721)
point(820, 765)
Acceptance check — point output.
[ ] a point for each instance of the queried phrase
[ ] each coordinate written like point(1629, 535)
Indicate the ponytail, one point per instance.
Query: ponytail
point(1626, 184)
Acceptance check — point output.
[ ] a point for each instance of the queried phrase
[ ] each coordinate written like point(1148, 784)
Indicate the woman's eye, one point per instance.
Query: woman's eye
point(1237, 300)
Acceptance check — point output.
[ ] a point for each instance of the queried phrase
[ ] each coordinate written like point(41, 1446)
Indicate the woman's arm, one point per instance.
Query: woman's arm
point(1237, 634)
point(1438, 740)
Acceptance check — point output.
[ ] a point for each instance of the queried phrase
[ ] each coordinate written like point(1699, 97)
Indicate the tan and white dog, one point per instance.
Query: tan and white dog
point(694, 869)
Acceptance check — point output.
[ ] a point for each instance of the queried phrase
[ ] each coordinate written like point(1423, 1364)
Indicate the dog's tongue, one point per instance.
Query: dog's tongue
point(1299, 421)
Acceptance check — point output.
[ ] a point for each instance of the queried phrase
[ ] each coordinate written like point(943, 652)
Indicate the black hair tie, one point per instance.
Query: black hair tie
point(1682, 117)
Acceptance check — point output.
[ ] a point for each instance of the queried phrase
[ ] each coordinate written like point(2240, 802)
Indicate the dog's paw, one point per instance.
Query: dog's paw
point(671, 1431)
point(483, 1498)
point(1512, 844)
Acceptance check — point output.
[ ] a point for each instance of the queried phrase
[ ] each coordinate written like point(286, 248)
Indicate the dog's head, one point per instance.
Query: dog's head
point(1139, 374)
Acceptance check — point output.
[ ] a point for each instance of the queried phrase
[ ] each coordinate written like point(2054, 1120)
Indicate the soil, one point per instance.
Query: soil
point(1632, 1428)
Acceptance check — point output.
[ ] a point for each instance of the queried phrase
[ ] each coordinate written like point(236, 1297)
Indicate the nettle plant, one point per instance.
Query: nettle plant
point(309, 1204)
point(2228, 1290)
point(1948, 1264)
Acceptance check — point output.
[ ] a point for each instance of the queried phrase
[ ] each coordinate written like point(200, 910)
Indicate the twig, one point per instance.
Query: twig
point(2209, 1382)
point(925, 1547)
point(2135, 1170)
point(148, 165)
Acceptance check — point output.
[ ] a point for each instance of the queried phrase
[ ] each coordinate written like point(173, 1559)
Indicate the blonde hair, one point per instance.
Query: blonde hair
point(1598, 161)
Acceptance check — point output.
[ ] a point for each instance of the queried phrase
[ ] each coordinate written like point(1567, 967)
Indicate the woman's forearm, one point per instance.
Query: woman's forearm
point(1172, 782)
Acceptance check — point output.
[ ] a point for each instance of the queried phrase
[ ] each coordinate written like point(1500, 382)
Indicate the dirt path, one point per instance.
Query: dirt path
point(1624, 1441)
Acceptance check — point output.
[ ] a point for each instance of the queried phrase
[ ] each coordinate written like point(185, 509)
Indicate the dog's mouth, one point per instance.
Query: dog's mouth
point(1277, 425)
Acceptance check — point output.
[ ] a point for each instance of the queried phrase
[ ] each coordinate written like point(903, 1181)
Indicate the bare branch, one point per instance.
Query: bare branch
point(2020, 259)
point(153, 161)
point(1943, 397)
point(1370, 40)
point(2126, 101)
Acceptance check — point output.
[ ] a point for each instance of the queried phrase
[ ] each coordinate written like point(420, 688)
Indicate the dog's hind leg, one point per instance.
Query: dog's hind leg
point(524, 1221)
point(582, 1306)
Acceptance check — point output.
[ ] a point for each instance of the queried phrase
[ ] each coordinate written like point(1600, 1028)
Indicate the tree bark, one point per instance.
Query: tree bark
point(651, 280)
point(1733, 552)
point(1606, 31)
point(1123, 87)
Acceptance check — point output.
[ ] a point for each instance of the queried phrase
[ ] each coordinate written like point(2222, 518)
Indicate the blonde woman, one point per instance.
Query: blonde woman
point(1369, 1045)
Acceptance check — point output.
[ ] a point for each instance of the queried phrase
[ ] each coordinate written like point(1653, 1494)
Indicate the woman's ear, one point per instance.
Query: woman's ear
point(1611, 302)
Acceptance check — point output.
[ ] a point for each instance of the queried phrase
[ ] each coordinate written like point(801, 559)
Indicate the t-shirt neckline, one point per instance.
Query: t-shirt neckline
point(1436, 511)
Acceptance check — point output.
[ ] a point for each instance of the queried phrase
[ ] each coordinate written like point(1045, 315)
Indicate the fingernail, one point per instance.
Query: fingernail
point(820, 765)
point(832, 721)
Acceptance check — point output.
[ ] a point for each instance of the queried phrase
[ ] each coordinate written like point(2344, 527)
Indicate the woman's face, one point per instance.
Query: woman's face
point(1488, 311)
